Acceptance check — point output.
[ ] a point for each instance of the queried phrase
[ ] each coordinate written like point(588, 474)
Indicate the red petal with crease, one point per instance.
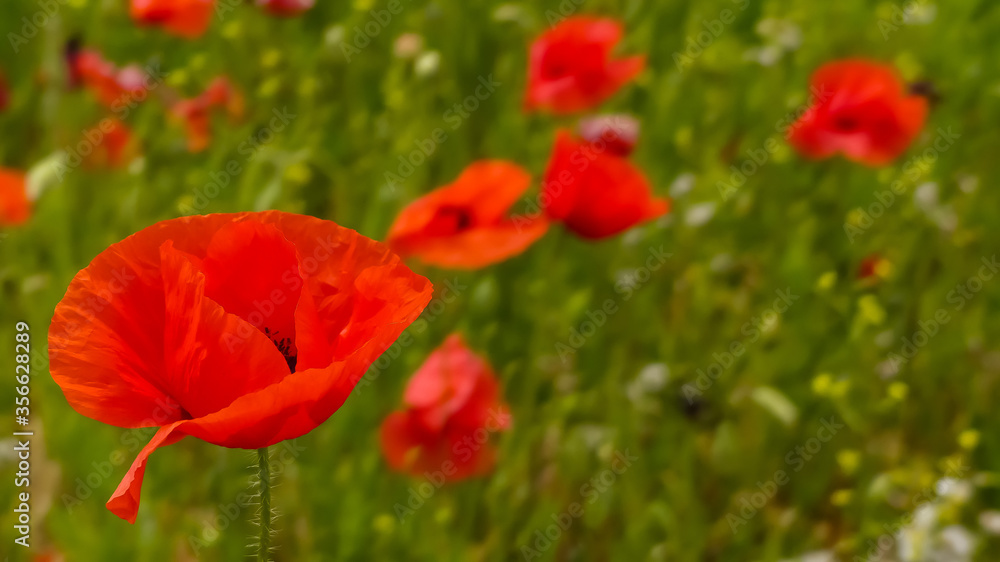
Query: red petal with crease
point(242, 329)
point(464, 225)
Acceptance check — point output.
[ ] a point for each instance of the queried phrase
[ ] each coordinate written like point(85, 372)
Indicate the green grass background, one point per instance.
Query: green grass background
point(783, 229)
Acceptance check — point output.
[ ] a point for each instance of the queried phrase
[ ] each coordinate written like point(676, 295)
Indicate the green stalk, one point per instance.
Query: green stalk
point(264, 482)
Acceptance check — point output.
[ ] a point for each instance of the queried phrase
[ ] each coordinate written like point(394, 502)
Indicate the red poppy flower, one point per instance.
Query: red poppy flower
point(185, 18)
point(464, 224)
point(863, 112)
point(595, 192)
point(242, 330)
point(115, 147)
point(286, 8)
point(113, 87)
point(14, 205)
point(196, 113)
point(619, 132)
point(452, 405)
point(571, 68)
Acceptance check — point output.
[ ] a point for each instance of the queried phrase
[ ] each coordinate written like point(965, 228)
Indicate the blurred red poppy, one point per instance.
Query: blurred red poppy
point(286, 8)
point(185, 18)
point(15, 208)
point(242, 330)
point(595, 192)
point(115, 146)
point(113, 87)
point(619, 132)
point(464, 224)
point(196, 113)
point(452, 406)
point(571, 67)
point(864, 111)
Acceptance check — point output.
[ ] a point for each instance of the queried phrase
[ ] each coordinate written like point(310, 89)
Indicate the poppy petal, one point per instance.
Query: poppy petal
point(252, 270)
point(106, 343)
point(481, 247)
point(184, 18)
point(444, 383)
point(15, 209)
point(352, 286)
point(862, 110)
point(398, 436)
point(561, 188)
point(204, 343)
point(124, 502)
point(450, 401)
point(138, 339)
point(570, 67)
point(604, 197)
point(488, 188)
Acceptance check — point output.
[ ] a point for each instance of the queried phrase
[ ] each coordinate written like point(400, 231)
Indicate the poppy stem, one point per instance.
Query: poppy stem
point(264, 482)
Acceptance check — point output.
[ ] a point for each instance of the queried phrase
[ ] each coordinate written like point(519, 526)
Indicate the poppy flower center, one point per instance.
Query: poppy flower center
point(285, 345)
point(555, 70)
point(252, 271)
point(450, 220)
point(845, 123)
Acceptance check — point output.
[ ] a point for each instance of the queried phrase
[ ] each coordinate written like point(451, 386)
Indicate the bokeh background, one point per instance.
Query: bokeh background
point(914, 465)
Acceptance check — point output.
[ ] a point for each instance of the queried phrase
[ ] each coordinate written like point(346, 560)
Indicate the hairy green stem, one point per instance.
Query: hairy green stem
point(264, 482)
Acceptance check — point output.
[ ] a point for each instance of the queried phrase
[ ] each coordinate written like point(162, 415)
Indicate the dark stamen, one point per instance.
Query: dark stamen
point(284, 345)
